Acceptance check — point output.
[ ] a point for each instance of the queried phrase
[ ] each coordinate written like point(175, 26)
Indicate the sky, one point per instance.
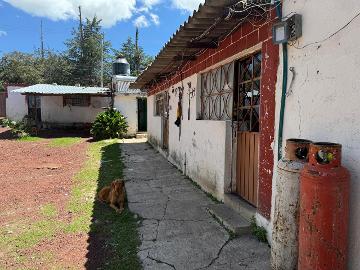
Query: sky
point(157, 21)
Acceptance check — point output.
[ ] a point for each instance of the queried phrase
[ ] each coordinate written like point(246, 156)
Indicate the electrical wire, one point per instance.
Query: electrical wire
point(330, 36)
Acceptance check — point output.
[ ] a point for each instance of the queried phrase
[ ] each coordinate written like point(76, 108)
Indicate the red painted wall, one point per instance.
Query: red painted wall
point(246, 36)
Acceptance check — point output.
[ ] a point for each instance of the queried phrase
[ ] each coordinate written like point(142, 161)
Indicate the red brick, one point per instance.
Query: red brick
point(237, 34)
point(252, 39)
point(264, 32)
point(246, 29)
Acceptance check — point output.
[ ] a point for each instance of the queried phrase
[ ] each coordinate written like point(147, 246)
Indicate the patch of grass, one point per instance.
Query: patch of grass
point(64, 142)
point(258, 231)
point(35, 233)
point(48, 210)
point(29, 139)
point(117, 233)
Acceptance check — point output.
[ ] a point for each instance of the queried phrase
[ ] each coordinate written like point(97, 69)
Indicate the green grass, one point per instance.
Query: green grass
point(64, 142)
point(117, 234)
point(258, 231)
point(48, 210)
point(29, 139)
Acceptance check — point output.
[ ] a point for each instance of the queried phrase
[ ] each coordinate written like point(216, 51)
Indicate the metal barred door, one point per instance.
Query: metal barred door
point(247, 116)
point(3, 104)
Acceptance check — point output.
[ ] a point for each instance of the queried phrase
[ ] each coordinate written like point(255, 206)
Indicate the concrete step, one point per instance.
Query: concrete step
point(141, 135)
point(240, 206)
point(232, 220)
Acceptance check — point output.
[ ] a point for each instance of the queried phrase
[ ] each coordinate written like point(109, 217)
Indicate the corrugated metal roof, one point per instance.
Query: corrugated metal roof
point(123, 86)
point(207, 25)
point(54, 89)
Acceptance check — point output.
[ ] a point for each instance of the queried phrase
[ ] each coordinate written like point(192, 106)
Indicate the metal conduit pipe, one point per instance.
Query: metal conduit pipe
point(284, 86)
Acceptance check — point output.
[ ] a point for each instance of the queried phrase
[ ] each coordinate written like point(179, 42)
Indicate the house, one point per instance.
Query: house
point(215, 95)
point(211, 102)
point(56, 106)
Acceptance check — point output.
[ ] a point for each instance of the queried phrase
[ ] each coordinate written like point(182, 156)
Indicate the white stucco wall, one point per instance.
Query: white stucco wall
point(200, 151)
point(127, 105)
point(53, 111)
point(324, 103)
point(16, 105)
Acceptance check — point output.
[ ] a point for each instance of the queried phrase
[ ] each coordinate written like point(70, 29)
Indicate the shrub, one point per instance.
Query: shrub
point(110, 124)
point(19, 129)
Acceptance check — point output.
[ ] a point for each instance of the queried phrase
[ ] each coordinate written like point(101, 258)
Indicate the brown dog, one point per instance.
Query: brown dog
point(114, 195)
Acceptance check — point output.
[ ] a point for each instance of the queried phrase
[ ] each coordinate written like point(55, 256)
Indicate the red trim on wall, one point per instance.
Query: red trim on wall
point(243, 38)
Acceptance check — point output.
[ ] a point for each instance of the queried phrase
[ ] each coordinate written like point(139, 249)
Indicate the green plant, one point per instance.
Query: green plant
point(258, 231)
point(110, 124)
point(21, 128)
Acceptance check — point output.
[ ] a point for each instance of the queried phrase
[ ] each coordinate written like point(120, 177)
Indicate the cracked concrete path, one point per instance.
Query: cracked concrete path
point(177, 231)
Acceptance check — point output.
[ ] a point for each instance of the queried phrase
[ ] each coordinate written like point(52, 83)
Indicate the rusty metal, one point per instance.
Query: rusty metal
point(284, 250)
point(217, 93)
point(324, 210)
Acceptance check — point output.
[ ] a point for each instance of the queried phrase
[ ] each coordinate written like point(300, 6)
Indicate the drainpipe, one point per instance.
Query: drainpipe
point(284, 86)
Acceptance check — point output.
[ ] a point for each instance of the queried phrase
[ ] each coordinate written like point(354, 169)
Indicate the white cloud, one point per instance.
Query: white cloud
point(110, 11)
point(155, 18)
point(3, 33)
point(188, 5)
point(141, 22)
point(151, 3)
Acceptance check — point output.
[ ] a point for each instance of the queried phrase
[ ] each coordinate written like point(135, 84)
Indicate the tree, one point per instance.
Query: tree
point(137, 58)
point(84, 53)
point(57, 69)
point(18, 67)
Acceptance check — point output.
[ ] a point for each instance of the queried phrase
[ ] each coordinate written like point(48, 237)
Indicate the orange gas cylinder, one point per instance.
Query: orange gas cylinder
point(324, 210)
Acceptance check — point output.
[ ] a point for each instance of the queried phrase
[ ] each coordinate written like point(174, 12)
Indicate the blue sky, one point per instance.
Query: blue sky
point(157, 19)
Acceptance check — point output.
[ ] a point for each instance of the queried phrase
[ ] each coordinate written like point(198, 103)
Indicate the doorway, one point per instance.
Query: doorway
point(34, 108)
point(142, 114)
point(247, 117)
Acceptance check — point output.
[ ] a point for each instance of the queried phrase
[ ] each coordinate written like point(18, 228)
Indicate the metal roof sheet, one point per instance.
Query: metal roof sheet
point(123, 85)
point(206, 25)
point(54, 89)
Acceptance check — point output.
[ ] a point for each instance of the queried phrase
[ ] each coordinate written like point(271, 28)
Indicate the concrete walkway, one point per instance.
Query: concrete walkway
point(177, 231)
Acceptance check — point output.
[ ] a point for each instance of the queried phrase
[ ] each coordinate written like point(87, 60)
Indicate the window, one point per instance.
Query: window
point(77, 100)
point(247, 96)
point(159, 104)
point(217, 93)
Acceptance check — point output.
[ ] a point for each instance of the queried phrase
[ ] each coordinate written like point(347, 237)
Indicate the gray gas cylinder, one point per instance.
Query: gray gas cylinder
point(284, 247)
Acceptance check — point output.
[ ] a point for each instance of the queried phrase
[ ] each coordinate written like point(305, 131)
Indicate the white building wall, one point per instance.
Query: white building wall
point(127, 105)
point(16, 105)
point(325, 97)
point(200, 150)
point(53, 111)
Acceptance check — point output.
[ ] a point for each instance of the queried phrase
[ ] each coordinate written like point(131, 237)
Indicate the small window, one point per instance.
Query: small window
point(159, 104)
point(77, 100)
point(217, 93)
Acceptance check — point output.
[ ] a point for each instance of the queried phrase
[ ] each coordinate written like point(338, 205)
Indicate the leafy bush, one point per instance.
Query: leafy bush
point(21, 129)
point(110, 124)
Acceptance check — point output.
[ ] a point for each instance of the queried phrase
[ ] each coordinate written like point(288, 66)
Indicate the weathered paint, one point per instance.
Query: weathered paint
point(208, 144)
point(53, 111)
point(284, 248)
point(127, 105)
point(16, 105)
point(324, 210)
point(323, 103)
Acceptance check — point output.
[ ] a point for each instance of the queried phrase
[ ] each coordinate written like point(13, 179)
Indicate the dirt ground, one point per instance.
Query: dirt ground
point(33, 175)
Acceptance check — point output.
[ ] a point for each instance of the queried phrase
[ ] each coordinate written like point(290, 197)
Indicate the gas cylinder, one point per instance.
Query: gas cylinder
point(284, 247)
point(324, 210)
